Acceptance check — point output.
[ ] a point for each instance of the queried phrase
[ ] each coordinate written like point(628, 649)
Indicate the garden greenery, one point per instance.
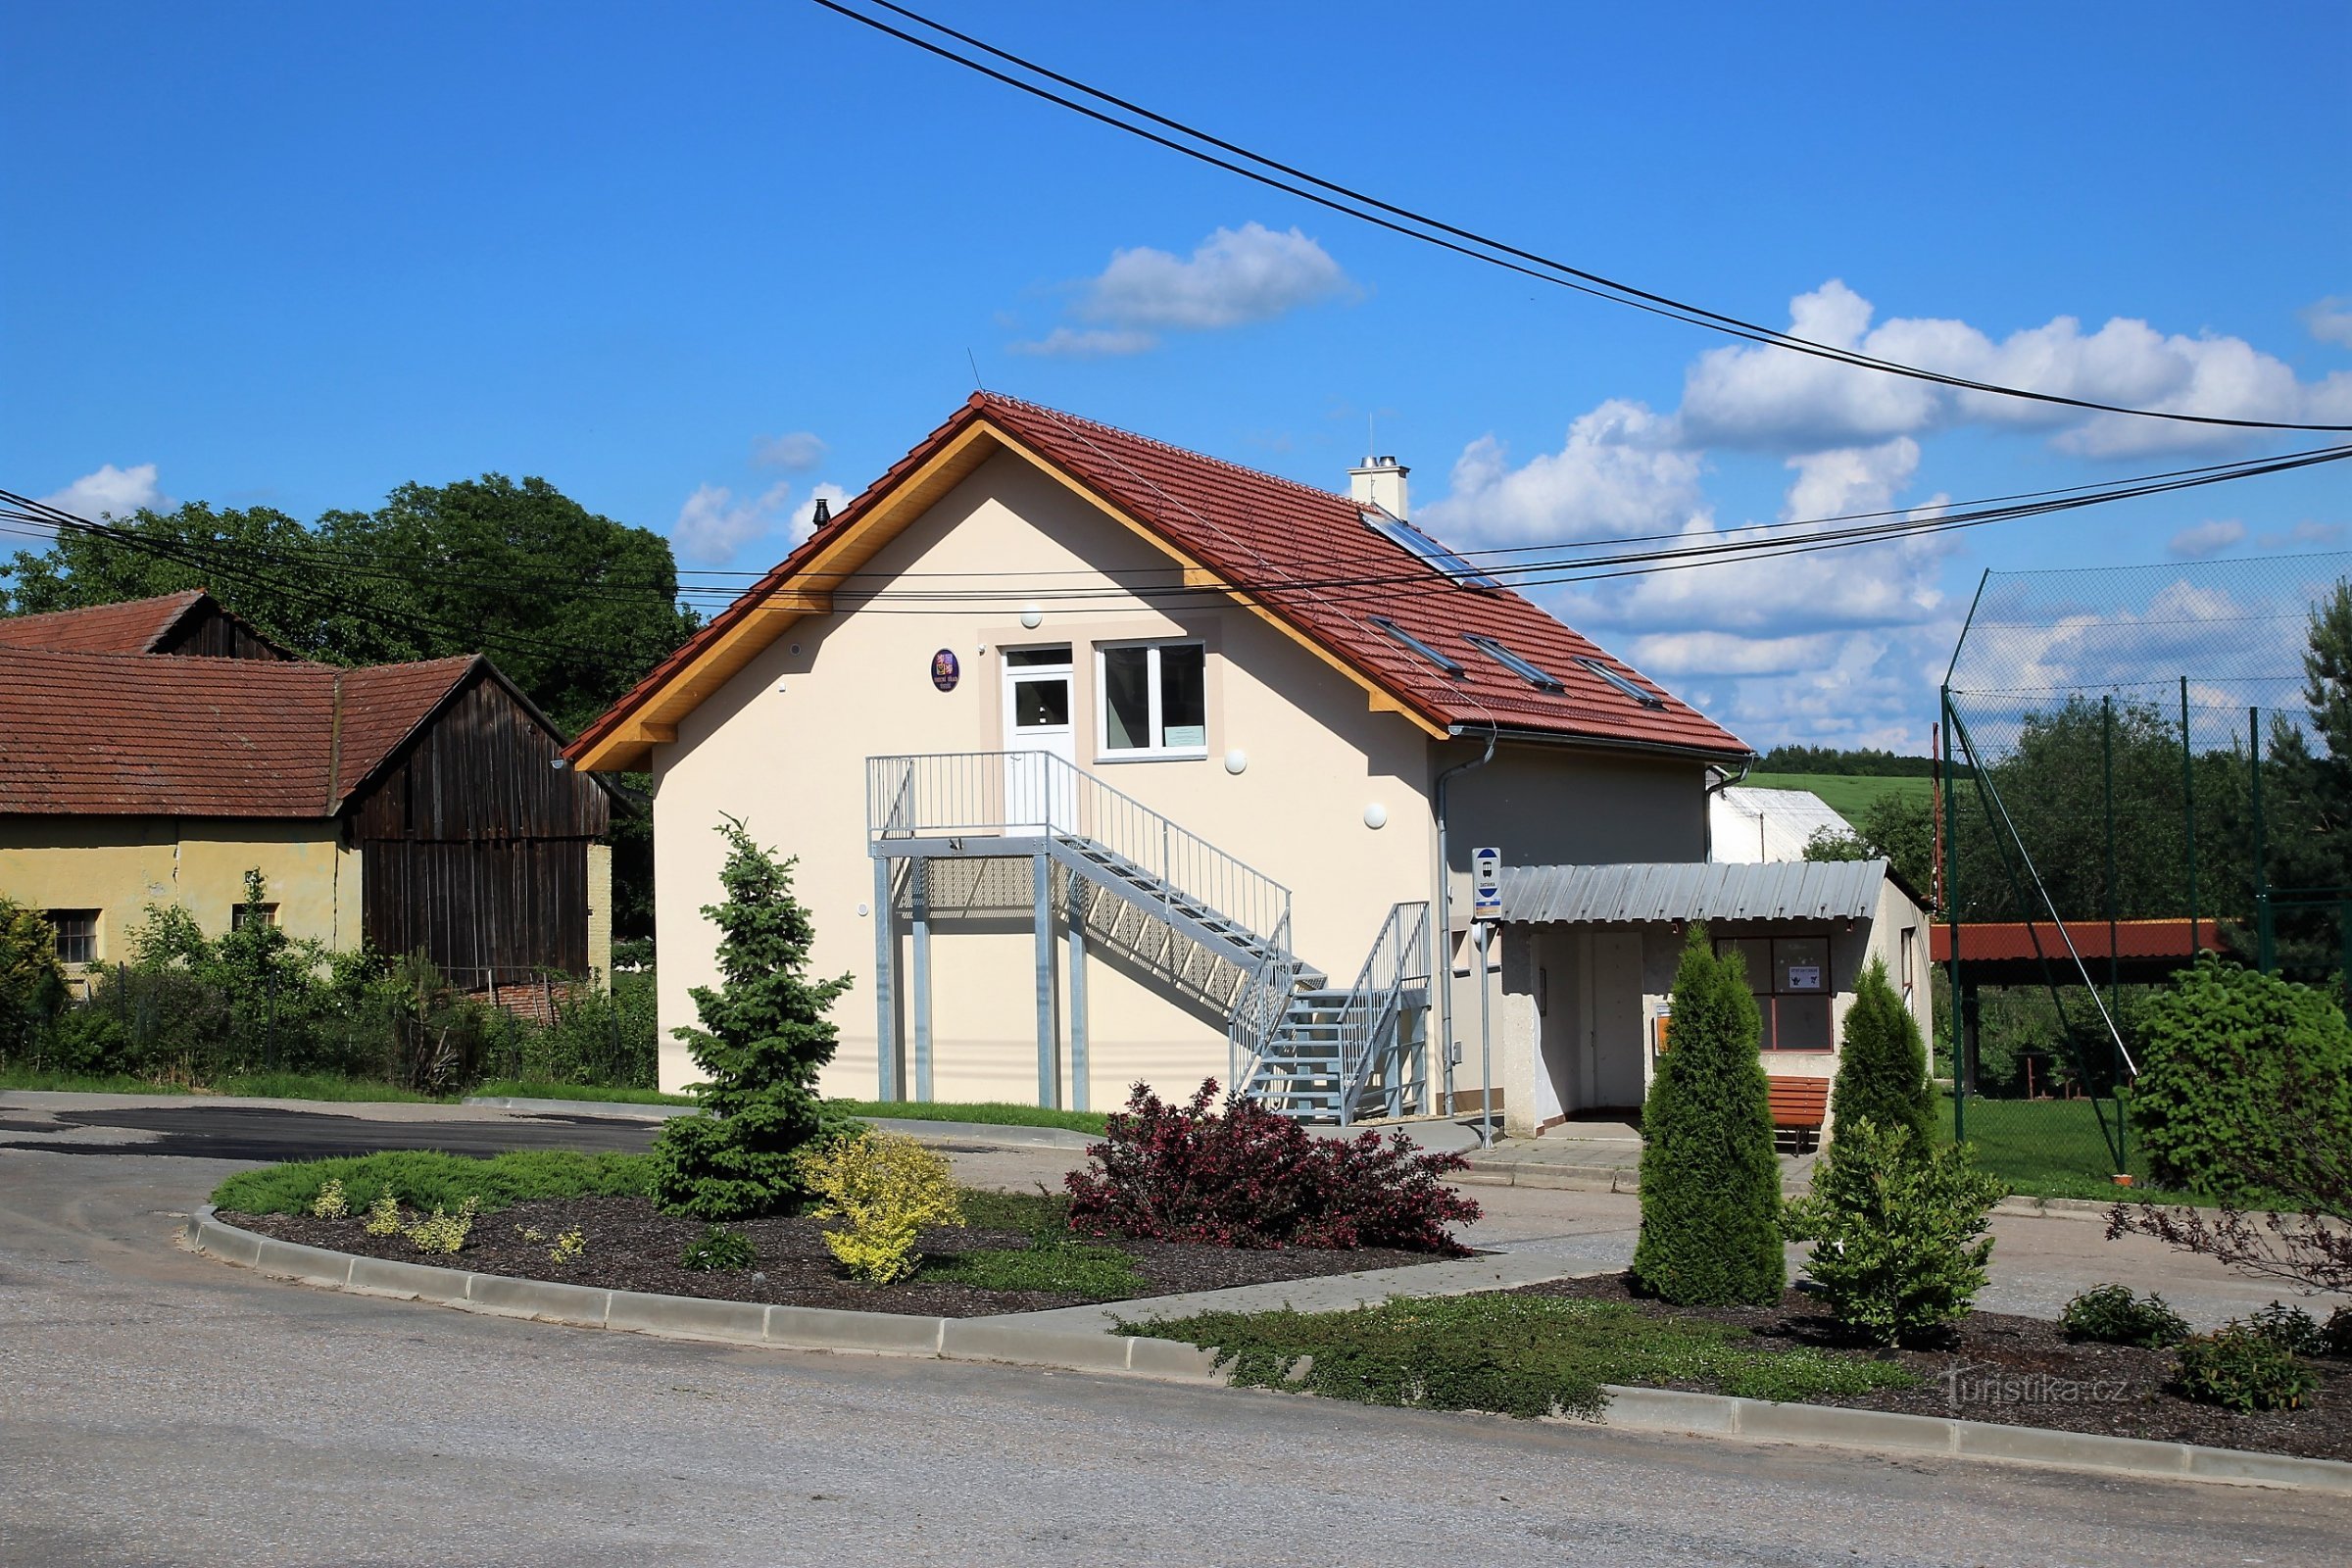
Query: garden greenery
point(1900, 1237)
point(1883, 1064)
point(422, 1179)
point(765, 1037)
point(883, 1188)
point(2113, 1315)
point(1522, 1356)
point(718, 1250)
point(1242, 1175)
point(32, 988)
point(1710, 1180)
point(2238, 1367)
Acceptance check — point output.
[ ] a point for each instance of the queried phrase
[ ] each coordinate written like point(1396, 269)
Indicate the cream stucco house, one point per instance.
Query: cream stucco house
point(1108, 761)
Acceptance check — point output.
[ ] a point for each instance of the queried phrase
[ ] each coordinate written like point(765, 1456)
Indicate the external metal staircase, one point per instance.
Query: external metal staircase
point(1294, 1042)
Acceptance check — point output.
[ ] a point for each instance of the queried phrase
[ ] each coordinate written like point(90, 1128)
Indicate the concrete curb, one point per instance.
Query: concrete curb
point(1007, 1340)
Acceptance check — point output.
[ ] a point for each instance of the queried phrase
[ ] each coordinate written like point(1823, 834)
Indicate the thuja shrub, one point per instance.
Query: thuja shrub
point(1883, 1064)
point(1239, 1175)
point(2238, 1367)
point(883, 1188)
point(1710, 1180)
point(1899, 1237)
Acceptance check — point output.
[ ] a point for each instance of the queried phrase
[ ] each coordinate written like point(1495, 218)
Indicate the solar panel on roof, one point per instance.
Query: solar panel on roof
point(1428, 549)
point(1407, 639)
point(1530, 673)
point(1648, 699)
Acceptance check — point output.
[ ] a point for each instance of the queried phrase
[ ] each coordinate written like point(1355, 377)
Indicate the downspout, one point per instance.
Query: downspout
point(1444, 953)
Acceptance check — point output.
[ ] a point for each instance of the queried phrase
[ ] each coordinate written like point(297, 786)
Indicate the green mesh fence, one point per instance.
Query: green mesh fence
point(2138, 762)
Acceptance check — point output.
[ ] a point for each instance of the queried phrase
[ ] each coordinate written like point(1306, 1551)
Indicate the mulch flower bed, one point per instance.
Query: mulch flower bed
point(633, 1247)
point(2024, 1371)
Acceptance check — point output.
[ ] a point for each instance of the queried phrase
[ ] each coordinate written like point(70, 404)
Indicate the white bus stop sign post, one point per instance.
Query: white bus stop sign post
point(1485, 884)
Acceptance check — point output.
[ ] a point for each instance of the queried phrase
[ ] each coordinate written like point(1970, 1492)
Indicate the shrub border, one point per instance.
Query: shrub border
point(808, 1328)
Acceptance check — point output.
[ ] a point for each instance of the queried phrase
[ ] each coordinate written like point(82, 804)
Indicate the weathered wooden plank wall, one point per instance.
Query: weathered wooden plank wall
point(474, 845)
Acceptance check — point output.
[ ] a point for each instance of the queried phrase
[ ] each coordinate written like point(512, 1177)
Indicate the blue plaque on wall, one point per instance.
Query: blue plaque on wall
point(945, 671)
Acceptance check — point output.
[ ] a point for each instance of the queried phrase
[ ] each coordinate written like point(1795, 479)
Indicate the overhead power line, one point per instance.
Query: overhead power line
point(1195, 143)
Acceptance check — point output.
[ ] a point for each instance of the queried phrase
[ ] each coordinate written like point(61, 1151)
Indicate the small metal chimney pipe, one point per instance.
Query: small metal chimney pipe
point(1380, 482)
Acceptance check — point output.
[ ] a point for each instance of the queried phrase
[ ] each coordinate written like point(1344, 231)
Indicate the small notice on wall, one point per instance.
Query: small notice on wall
point(1805, 977)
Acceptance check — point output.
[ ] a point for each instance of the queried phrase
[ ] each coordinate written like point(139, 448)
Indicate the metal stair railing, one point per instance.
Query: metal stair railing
point(1372, 1018)
point(1110, 837)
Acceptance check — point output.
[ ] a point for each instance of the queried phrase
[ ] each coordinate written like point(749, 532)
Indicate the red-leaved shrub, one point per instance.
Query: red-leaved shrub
point(1243, 1176)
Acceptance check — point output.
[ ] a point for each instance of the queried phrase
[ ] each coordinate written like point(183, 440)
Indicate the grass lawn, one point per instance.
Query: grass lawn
point(1525, 1355)
point(541, 1089)
point(1846, 794)
point(250, 1086)
point(2049, 1148)
point(995, 1113)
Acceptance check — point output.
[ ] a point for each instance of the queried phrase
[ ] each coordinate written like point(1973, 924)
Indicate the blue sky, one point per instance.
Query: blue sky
point(691, 263)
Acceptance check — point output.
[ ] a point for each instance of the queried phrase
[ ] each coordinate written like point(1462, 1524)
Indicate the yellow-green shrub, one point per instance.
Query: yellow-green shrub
point(885, 1187)
point(330, 1203)
point(444, 1232)
point(383, 1215)
point(570, 1247)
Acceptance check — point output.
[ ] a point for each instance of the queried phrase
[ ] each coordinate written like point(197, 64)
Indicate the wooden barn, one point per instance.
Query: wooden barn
point(153, 753)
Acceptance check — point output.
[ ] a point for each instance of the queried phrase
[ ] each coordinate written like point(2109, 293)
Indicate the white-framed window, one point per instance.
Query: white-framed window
point(1152, 699)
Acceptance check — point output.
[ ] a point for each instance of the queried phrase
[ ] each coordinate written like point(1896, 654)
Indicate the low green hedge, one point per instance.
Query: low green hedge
point(423, 1179)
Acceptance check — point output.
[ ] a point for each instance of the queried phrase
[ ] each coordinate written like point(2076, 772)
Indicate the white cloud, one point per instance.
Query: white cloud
point(712, 524)
point(1233, 277)
point(2211, 537)
point(1236, 275)
point(1091, 343)
point(795, 452)
point(2330, 319)
point(1851, 481)
point(1716, 652)
point(2305, 535)
point(1621, 471)
point(1776, 400)
point(109, 492)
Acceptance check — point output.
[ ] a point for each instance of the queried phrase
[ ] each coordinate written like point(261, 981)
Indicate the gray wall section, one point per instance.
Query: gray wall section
point(1574, 806)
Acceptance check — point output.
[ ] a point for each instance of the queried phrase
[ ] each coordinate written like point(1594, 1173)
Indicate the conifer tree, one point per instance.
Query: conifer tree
point(1710, 1181)
point(764, 1039)
point(1882, 1065)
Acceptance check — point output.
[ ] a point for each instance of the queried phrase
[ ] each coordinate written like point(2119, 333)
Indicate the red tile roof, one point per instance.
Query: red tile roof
point(134, 734)
point(132, 627)
point(1308, 556)
point(2009, 940)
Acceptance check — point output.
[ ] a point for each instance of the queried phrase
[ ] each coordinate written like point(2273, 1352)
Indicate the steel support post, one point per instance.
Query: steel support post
point(1049, 1079)
point(886, 1009)
point(1078, 1066)
point(918, 905)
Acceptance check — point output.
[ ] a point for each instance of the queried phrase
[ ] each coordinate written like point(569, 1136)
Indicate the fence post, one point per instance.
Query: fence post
point(1950, 838)
point(2189, 814)
point(2264, 954)
point(2107, 794)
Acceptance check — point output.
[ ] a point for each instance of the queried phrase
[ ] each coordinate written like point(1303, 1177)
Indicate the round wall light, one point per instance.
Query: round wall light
point(861, 908)
point(1376, 815)
point(1236, 760)
point(1032, 616)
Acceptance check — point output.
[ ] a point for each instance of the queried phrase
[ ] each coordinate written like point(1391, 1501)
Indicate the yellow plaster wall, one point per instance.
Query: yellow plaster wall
point(119, 866)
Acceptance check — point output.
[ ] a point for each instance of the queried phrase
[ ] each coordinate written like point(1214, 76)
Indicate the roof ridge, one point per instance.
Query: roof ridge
point(184, 595)
point(1140, 438)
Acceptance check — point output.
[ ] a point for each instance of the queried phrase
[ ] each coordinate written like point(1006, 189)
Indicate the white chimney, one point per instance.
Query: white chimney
point(1380, 482)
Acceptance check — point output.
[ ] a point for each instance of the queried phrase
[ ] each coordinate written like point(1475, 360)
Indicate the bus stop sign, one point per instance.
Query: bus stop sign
point(1485, 884)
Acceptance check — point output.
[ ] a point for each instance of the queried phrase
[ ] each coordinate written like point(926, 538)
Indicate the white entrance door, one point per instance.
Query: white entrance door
point(1039, 795)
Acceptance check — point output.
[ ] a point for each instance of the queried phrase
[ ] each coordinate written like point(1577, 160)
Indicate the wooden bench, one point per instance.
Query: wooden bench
point(1799, 1107)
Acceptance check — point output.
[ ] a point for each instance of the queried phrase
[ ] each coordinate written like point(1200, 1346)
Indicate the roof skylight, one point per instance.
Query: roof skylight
point(1642, 695)
point(1408, 640)
point(1511, 661)
point(1398, 531)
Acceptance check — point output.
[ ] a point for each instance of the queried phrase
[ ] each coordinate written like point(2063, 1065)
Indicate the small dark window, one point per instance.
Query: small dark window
point(1536, 676)
point(76, 934)
point(1790, 978)
point(1405, 639)
point(1648, 699)
point(241, 914)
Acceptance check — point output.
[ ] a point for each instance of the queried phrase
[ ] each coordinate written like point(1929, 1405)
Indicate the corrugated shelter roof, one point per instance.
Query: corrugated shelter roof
point(1760, 824)
point(140, 734)
point(134, 627)
point(1656, 892)
point(1309, 560)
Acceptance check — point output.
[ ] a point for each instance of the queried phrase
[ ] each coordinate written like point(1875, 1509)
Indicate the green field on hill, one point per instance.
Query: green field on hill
point(1843, 792)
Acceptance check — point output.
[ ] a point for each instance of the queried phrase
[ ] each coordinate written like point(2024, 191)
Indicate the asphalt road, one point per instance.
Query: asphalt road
point(157, 1408)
